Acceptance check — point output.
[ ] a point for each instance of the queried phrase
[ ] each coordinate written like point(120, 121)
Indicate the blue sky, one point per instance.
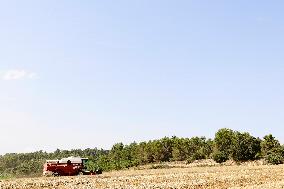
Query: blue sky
point(78, 74)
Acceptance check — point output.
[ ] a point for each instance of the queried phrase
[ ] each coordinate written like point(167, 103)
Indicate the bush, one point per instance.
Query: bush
point(245, 147)
point(195, 156)
point(220, 157)
point(269, 145)
point(223, 141)
point(93, 166)
point(274, 158)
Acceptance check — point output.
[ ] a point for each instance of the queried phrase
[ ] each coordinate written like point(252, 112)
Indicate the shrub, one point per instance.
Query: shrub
point(245, 147)
point(220, 157)
point(224, 139)
point(274, 158)
point(269, 145)
point(196, 156)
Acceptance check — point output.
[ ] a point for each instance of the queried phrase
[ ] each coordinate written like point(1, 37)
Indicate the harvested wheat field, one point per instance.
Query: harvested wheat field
point(225, 176)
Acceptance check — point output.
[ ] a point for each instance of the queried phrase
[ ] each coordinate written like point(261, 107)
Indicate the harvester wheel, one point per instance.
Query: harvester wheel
point(99, 171)
point(48, 174)
point(80, 173)
point(55, 174)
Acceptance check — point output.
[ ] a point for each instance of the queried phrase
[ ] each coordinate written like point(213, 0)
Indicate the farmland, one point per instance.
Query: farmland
point(209, 175)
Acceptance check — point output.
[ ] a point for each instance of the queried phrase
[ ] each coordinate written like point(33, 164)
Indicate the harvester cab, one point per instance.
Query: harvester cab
point(84, 162)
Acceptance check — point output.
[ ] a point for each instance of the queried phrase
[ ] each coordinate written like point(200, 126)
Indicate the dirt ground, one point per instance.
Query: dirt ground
point(233, 176)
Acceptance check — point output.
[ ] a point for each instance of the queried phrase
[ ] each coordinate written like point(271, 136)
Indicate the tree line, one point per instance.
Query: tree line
point(227, 144)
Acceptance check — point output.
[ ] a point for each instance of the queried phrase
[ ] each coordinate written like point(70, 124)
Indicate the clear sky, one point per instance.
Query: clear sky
point(90, 73)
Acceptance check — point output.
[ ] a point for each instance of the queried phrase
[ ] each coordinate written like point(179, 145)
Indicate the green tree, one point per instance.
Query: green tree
point(223, 144)
point(272, 150)
point(245, 147)
point(179, 152)
point(269, 144)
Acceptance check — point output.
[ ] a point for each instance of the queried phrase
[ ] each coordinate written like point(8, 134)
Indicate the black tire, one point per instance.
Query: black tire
point(55, 174)
point(99, 171)
point(80, 173)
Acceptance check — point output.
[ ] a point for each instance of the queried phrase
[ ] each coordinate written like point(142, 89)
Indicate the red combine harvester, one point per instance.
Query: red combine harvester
point(67, 167)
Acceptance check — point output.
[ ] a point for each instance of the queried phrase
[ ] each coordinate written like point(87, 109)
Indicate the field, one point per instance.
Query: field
point(177, 176)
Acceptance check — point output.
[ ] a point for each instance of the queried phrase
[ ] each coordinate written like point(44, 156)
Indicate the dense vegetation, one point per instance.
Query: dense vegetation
point(227, 144)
